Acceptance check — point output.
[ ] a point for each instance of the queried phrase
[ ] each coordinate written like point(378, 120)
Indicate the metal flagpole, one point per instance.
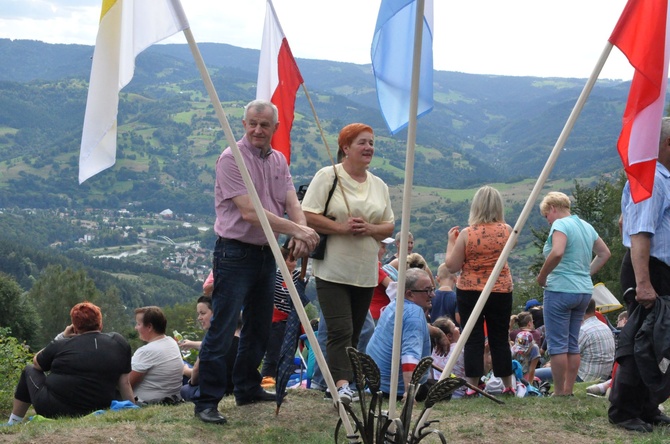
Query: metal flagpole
point(258, 207)
point(523, 217)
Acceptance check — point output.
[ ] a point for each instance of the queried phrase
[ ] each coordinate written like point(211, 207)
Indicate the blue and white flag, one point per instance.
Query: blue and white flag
point(392, 52)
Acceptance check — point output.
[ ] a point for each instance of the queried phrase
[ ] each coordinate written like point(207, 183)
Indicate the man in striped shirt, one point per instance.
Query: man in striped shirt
point(596, 347)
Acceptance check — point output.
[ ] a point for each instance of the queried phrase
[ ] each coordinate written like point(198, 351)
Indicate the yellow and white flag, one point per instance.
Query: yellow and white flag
point(127, 27)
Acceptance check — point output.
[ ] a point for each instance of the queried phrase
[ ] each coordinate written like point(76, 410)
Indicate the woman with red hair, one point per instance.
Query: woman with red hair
point(86, 369)
point(352, 206)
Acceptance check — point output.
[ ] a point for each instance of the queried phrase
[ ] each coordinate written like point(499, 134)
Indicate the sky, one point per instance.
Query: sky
point(544, 38)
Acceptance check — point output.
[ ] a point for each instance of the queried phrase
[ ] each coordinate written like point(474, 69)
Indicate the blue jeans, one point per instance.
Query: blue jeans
point(244, 277)
point(189, 392)
point(544, 374)
point(563, 316)
point(318, 382)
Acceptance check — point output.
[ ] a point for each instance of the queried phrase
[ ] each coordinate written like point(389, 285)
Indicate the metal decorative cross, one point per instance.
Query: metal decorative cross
point(374, 425)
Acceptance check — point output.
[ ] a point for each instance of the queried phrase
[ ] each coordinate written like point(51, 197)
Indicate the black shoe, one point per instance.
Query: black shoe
point(262, 396)
point(635, 425)
point(660, 420)
point(211, 416)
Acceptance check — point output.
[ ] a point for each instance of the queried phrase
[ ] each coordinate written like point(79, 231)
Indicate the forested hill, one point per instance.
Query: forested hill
point(483, 128)
point(24, 256)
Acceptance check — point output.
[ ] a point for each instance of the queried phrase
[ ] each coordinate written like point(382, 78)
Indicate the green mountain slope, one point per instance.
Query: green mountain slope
point(482, 129)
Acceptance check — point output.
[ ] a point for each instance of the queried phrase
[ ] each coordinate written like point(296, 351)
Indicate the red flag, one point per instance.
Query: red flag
point(278, 79)
point(641, 34)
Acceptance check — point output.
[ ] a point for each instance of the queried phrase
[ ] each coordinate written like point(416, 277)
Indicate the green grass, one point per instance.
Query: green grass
point(306, 418)
point(512, 192)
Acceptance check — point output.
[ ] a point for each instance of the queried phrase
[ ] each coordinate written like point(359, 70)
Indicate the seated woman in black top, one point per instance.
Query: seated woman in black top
point(86, 368)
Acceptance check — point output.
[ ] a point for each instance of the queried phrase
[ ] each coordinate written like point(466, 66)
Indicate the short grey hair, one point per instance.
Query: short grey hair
point(260, 105)
point(412, 276)
point(397, 236)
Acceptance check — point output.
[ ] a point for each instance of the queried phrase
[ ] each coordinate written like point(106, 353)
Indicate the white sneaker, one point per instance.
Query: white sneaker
point(596, 389)
point(346, 394)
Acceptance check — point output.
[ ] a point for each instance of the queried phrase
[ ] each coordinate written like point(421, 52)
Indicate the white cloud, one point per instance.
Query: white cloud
point(517, 37)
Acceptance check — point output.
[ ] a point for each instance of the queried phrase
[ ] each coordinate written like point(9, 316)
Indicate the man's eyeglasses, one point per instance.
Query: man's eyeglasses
point(429, 290)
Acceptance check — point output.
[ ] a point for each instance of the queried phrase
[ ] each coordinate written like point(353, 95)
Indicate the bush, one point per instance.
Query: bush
point(14, 356)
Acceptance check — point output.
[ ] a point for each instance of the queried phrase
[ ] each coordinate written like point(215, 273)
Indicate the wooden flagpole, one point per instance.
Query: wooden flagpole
point(258, 207)
point(330, 154)
point(523, 217)
point(320, 359)
point(406, 206)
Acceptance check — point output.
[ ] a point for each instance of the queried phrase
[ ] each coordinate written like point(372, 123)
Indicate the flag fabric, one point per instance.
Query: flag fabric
point(127, 27)
point(278, 79)
point(392, 52)
point(642, 35)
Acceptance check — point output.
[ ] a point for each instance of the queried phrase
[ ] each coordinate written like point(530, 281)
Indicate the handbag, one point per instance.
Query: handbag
point(320, 251)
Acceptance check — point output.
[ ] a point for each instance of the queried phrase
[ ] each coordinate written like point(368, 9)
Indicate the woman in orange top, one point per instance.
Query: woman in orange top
point(474, 252)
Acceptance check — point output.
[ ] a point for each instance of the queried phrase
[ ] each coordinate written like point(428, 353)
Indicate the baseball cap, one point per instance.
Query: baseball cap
point(532, 303)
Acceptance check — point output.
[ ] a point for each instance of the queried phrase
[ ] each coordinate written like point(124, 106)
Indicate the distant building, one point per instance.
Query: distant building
point(88, 224)
point(86, 239)
point(167, 214)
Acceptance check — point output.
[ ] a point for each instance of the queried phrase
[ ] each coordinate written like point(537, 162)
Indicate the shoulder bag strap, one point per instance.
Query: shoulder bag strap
point(330, 194)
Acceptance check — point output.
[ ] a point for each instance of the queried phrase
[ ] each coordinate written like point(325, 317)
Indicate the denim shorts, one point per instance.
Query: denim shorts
point(563, 316)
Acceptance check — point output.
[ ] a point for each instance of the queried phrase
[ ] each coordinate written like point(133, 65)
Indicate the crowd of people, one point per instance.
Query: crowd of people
point(83, 369)
point(561, 339)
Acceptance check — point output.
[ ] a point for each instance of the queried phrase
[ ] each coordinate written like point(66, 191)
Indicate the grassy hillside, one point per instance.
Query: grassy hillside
point(483, 129)
point(306, 418)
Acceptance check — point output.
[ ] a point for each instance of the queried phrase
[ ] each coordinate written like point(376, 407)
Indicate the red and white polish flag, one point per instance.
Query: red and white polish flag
point(642, 35)
point(278, 79)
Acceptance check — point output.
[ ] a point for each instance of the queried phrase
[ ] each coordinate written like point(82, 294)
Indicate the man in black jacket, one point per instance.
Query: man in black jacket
point(645, 268)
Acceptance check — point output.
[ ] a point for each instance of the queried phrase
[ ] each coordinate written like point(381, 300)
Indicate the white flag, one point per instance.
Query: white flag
point(127, 27)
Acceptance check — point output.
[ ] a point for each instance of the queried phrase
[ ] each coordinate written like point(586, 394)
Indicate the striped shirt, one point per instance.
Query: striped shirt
point(650, 216)
point(282, 297)
point(596, 347)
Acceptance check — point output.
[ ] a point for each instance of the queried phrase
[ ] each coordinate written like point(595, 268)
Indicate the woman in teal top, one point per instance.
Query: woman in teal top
point(566, 278)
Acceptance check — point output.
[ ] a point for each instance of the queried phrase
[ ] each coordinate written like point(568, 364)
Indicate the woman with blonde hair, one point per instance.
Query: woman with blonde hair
point(414, 260)
point(356, 217)
point(566, 278)
point(474, 252)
